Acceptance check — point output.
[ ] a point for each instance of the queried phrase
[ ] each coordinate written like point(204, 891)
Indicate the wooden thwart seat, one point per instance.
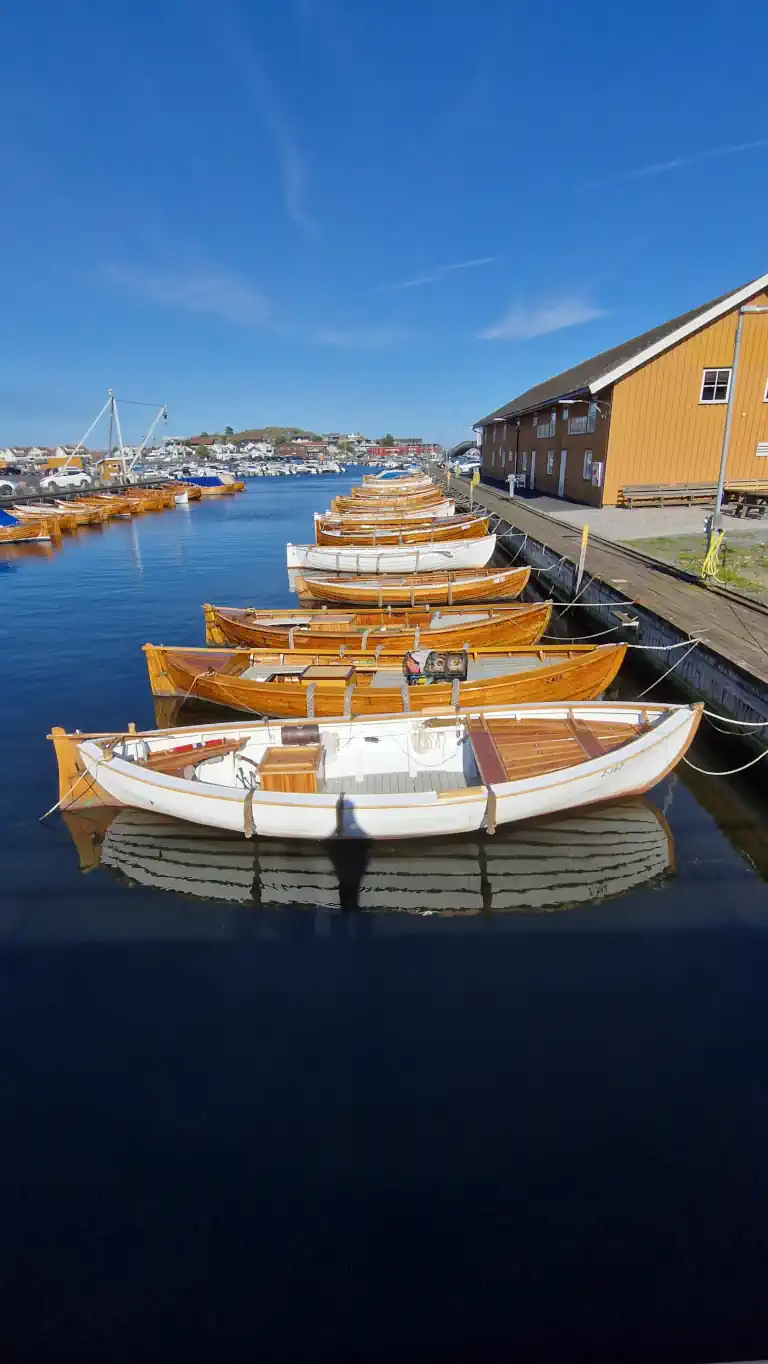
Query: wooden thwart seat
point(173, 761)
point(506, 750)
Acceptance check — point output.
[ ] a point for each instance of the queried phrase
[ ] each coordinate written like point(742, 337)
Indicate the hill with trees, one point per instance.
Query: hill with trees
point(276, 435)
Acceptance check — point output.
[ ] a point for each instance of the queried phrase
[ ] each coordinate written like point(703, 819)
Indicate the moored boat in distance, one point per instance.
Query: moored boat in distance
point(385, 630)
point(405, 776)
point(32, 514)
point(436, 511)
point(416, 558)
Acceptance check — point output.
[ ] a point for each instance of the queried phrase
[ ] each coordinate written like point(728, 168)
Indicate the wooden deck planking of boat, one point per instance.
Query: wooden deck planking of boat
point(290, 685)
point(513, 625)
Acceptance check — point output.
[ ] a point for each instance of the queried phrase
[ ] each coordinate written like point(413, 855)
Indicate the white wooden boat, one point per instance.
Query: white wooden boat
point(395, 777)
point(452, 554)
point(544, 865)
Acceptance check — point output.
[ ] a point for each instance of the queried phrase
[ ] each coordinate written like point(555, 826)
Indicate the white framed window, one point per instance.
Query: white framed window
point(597, 474)
point(762, 449)
point(587, 465)
point(524, 464)
point(502, 458)
point(535, 419)
point(715, 386)
point(493, 458)
point(550, 461)
point(547, 428)
point(565, 414)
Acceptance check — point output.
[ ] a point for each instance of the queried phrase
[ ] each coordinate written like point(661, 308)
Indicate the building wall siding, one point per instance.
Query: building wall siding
point(498, 453)
point(661, 433)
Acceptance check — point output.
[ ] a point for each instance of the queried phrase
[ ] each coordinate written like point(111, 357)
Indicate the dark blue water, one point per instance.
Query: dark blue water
point(234, 1131)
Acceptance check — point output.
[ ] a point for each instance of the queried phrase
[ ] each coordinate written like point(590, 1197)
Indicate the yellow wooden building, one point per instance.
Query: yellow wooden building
point(650, 411)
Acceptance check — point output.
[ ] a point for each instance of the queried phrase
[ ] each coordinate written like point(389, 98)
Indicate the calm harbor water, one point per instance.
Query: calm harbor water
point(252, 1106)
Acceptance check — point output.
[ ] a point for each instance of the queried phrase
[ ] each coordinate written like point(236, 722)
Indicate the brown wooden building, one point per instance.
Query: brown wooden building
point(652, 410)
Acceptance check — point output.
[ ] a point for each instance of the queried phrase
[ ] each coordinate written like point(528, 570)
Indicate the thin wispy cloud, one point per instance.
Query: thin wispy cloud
point(677, 163)
point(361, 338)
point(259, 88)
point(521, 323)
point(214, 293)
point(434, 276)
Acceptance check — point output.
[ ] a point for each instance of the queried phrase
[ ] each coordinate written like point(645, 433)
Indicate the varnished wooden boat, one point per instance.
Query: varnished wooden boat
point(151, 499)
point(377, 481)
point(393, 632)
point(420, 557)
point(84, 514)
point(33, 514)
point(118, 506)
point(434, 589)
point(112, 507)
point(434, 511)
point(404, 776)
point(554, 863)
point(293, 684)
point(428, 532)
point(346, 502)
point(42, 533)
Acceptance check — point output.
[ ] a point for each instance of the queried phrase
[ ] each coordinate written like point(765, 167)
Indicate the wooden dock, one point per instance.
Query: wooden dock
point(729, 668)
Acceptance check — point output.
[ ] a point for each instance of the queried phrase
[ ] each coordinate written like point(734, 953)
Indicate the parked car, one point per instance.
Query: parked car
point(65, 478)
point(14, 480)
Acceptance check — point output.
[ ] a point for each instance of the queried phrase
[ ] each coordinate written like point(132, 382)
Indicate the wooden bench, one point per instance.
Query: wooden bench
point(747, 495)
point(664, 494)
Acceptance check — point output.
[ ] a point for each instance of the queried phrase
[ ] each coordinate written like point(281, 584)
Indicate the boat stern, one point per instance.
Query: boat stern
point(77, 788)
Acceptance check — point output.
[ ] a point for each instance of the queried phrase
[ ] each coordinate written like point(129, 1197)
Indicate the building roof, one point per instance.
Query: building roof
point(597, 373)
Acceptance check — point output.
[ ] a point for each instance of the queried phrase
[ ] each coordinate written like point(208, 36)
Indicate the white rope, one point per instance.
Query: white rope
point(748, 724)
point(582, 589)
point(579, 639)
point(731, 772)
point(521, 548)
point(671, 669)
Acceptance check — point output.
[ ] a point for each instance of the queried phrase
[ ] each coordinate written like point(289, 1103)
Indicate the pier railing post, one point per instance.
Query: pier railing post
point(582, 556)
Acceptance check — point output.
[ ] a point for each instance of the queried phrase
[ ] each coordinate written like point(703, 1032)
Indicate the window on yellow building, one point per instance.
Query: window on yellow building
point(715, 386)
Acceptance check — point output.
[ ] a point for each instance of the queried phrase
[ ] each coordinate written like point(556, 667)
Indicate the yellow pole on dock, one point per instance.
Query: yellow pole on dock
point(582, 555)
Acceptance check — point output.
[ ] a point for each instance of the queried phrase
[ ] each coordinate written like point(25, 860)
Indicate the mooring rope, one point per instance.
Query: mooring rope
point(671, 669)
point(731, 771)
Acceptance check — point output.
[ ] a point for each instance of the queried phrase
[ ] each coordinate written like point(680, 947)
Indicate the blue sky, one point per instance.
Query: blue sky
point(352, 214)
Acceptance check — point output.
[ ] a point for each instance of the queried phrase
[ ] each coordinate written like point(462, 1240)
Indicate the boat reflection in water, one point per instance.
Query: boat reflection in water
point(551, 864)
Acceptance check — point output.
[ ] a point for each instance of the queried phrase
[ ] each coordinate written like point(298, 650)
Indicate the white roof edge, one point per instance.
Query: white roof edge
point(711, 315)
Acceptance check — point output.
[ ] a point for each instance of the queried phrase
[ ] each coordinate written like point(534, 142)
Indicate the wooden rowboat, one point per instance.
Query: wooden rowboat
point(84, 514)
point(42, 533)
point(33, 515)
point(404, 776)
point(429, 532)
point(346, 502)
point(325, 684)
point(434, 511)
point(434, 589)
point(390, 632)
point(417, 558)
point(377, 481)
point(555, 863)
